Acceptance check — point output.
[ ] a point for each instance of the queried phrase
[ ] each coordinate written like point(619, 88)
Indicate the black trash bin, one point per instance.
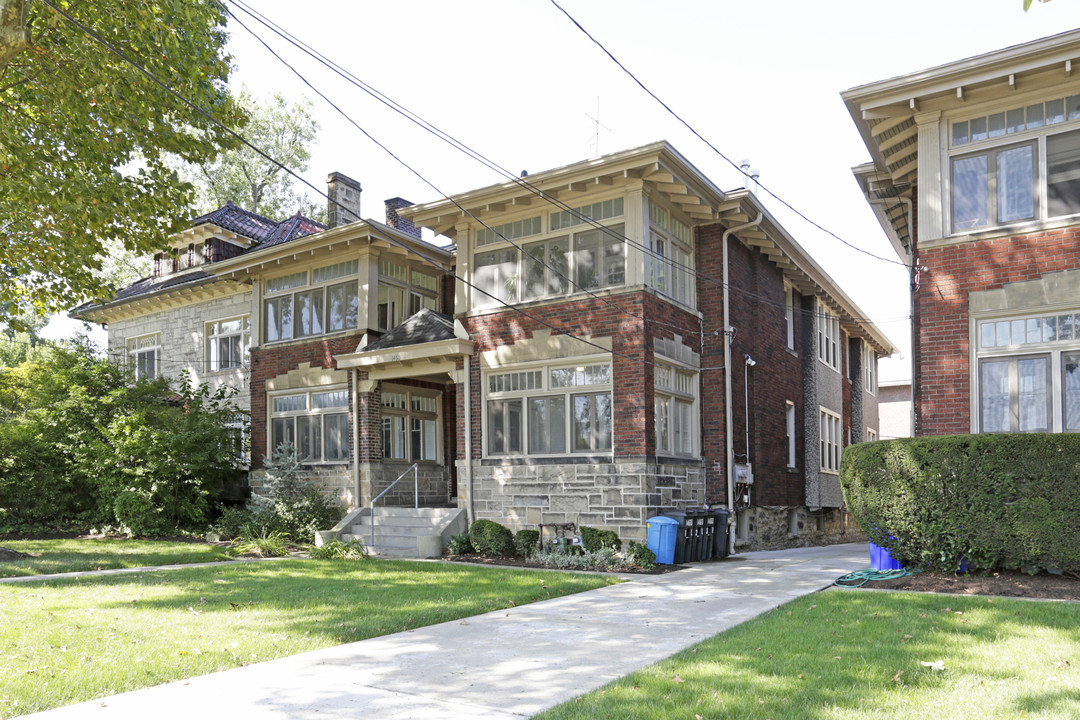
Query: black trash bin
point(680, 535)
point(720, 538)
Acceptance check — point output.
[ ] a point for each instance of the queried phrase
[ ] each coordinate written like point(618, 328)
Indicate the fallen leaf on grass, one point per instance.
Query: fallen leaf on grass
point(905, 638)
point(1061, 662)
point(936, 665)
point(677, 679)
point(896, 677)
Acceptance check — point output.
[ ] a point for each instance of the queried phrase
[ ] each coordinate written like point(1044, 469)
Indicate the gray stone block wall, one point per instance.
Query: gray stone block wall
point(183, 341)
point(774, 528)
point(335, 481)
point(434, 485)
point(619, 496)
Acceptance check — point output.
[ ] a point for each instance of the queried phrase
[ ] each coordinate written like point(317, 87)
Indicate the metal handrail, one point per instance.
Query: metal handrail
point(416, 495)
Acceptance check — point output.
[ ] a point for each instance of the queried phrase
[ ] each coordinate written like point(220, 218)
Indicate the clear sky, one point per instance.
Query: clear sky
point(516, 81)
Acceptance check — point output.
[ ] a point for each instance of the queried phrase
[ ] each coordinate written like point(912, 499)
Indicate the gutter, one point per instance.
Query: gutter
point(729, 437)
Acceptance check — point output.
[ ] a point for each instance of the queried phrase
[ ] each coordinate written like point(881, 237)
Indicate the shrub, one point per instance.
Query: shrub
point(490, 538)
point(602, 560)
point(1010, 500)
point(234, 521)
point(526, 542)
point(594, 539)
point(641, 556)
point(263, 544)
point(138, 514)
point(460, 545)
point(291, 504)
point(337, 550)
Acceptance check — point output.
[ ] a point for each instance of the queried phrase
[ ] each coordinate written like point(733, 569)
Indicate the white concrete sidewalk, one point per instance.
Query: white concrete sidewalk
point(504, 664)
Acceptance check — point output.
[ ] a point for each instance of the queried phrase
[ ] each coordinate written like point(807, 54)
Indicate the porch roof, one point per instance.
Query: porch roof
point(426, 346)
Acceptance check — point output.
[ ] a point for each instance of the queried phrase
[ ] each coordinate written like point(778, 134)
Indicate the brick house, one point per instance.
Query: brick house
point(604, 342)
point(975, 178)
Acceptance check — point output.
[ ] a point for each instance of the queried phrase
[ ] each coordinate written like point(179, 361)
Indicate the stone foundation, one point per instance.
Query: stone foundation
point(617, 496)
point(335, 481)
point(434, 482)
point(775, 528)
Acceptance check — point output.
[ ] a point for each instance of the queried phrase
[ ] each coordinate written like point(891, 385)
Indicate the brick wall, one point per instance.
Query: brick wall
point(942, 370)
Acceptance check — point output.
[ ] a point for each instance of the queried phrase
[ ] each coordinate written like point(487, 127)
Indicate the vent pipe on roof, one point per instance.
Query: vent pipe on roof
point(744, 165)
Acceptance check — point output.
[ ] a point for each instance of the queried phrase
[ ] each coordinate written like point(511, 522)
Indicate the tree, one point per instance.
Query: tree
point(282, 130)
point(85, 137)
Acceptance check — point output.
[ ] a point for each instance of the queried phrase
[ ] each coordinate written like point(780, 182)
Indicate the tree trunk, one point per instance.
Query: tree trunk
point(14, 32)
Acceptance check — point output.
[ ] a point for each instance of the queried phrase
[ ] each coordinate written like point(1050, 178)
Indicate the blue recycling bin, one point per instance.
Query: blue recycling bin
point(880, 559)
point(660, 538)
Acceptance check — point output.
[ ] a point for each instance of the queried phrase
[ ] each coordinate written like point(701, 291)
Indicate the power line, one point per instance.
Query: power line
point(713, 147)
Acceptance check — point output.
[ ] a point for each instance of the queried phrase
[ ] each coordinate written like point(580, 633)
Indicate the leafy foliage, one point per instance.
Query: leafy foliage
point(601, 560)
point(1010, 500)
point(337, 550)
point(82, 442)
point(87, 140)
point(594, 539)
point(490, 538)
point(282, 130)
point(290, 502)
point(460, 545)
point(640, 555)
point(526, 542)
point(267, 543)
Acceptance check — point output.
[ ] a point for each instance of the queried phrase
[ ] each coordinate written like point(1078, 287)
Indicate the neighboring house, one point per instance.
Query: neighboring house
point(566, 361)
point(976, 180)
point(894, 409)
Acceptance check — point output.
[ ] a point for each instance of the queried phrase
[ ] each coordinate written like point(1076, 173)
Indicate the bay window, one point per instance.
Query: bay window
point(402, 293)
point(314, 422)
point(670, 255)
point(549, 411)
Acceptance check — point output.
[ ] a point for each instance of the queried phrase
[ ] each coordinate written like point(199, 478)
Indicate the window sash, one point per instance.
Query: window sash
point(1015, 394)
point(789, 423)
point(313, 423)
point(409, 425)
point(831, 441)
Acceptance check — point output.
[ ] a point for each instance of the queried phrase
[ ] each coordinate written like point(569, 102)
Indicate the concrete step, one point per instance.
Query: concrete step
point(401, 521)
point(398, 542)
point(364, 530)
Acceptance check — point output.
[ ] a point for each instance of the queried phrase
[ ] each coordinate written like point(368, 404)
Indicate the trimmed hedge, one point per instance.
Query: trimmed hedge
point(490, 538)
point(997, 501)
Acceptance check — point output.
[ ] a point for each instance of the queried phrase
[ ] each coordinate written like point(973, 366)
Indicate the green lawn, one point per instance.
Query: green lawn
point(75, 554)
point(64, 641)
point(861, 655)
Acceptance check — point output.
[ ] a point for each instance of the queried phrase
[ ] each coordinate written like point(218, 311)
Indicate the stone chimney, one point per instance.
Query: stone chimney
point(343, 200)
point(396, 221)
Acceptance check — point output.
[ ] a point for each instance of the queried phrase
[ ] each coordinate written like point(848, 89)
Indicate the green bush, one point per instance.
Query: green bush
point(602, 560)
point(641, 556)
point(1010, 500)
point(337, 550)
point(490, 538)
point(526, 543)
point(138, 514)
point(292, 503)
point(594, 539)
point(460, 545)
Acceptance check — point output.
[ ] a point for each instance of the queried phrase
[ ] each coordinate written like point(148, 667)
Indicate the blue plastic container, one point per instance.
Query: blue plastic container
point(660, 538)
point(880, 559)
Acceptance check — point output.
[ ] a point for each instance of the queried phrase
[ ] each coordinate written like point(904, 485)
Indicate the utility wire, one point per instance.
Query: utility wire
point(446, 137)
point(713, 147)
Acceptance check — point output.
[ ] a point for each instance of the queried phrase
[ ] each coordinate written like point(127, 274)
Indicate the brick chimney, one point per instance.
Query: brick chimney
point(343, 200)
point(396, 221)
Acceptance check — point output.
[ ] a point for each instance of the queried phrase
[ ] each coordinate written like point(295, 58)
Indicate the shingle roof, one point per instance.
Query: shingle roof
point(423, 327)
point(241, 221)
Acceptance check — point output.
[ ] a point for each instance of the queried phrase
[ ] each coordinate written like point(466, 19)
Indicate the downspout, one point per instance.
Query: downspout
point(468, 441)
point(729, 435)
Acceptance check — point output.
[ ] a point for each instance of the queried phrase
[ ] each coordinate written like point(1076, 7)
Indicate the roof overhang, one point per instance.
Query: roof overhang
point(658, 165)
point(774, 242)
point(207, 231)
point(198, 290)
point(424, 360)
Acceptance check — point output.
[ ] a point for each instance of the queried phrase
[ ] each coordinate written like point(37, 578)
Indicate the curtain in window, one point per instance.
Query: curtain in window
point(1070, 367)
point(1034, 394)
point(1016, 184)
point(969, 200)
point(994, 396)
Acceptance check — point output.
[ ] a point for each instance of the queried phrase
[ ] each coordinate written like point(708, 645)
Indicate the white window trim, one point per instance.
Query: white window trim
point(869, 369)
point(213, 358)
point(306, 287)
point(407, 289)
point(789, 315)
point(545, 389)
point(830, 339)
point(871, 434)
point(409, 414)
point(830, 440)
point(671, 397)
point(309, 411)
point(671, 277)
point(790, 428)
point(134, 352)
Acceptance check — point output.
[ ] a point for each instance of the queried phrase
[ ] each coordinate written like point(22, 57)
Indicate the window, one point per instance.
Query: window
point(591, 259)
point(675, 391)
point(1035, 179)
point(828, 339)
point(869, 368)
point(324, 308)
point(789, 424)
point(1027, 373)
point(831, 440)
point(789, 315)
point(671, 257)
point(227, 343)
point(549, 410)
point(403, 292)
point(871, 434)
point(410, 423)
point(143, 353)
point(315, 422)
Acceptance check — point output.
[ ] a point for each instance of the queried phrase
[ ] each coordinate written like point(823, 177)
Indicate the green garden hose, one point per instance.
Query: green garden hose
point(860, 577)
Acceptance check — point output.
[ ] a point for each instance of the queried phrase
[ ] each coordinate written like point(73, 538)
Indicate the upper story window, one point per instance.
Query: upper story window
point(549, 410)
point(671, 269)
point(403, 292)
point(1028, 373)
point(831, 440)
point(563, 263)
point(1030, 171)
point(869, 368)
point(143, 354)
point(312, 303)
point(409, 423)
point(828, 339)
point(675, 391)
point(789, 316)
point(227, 343)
